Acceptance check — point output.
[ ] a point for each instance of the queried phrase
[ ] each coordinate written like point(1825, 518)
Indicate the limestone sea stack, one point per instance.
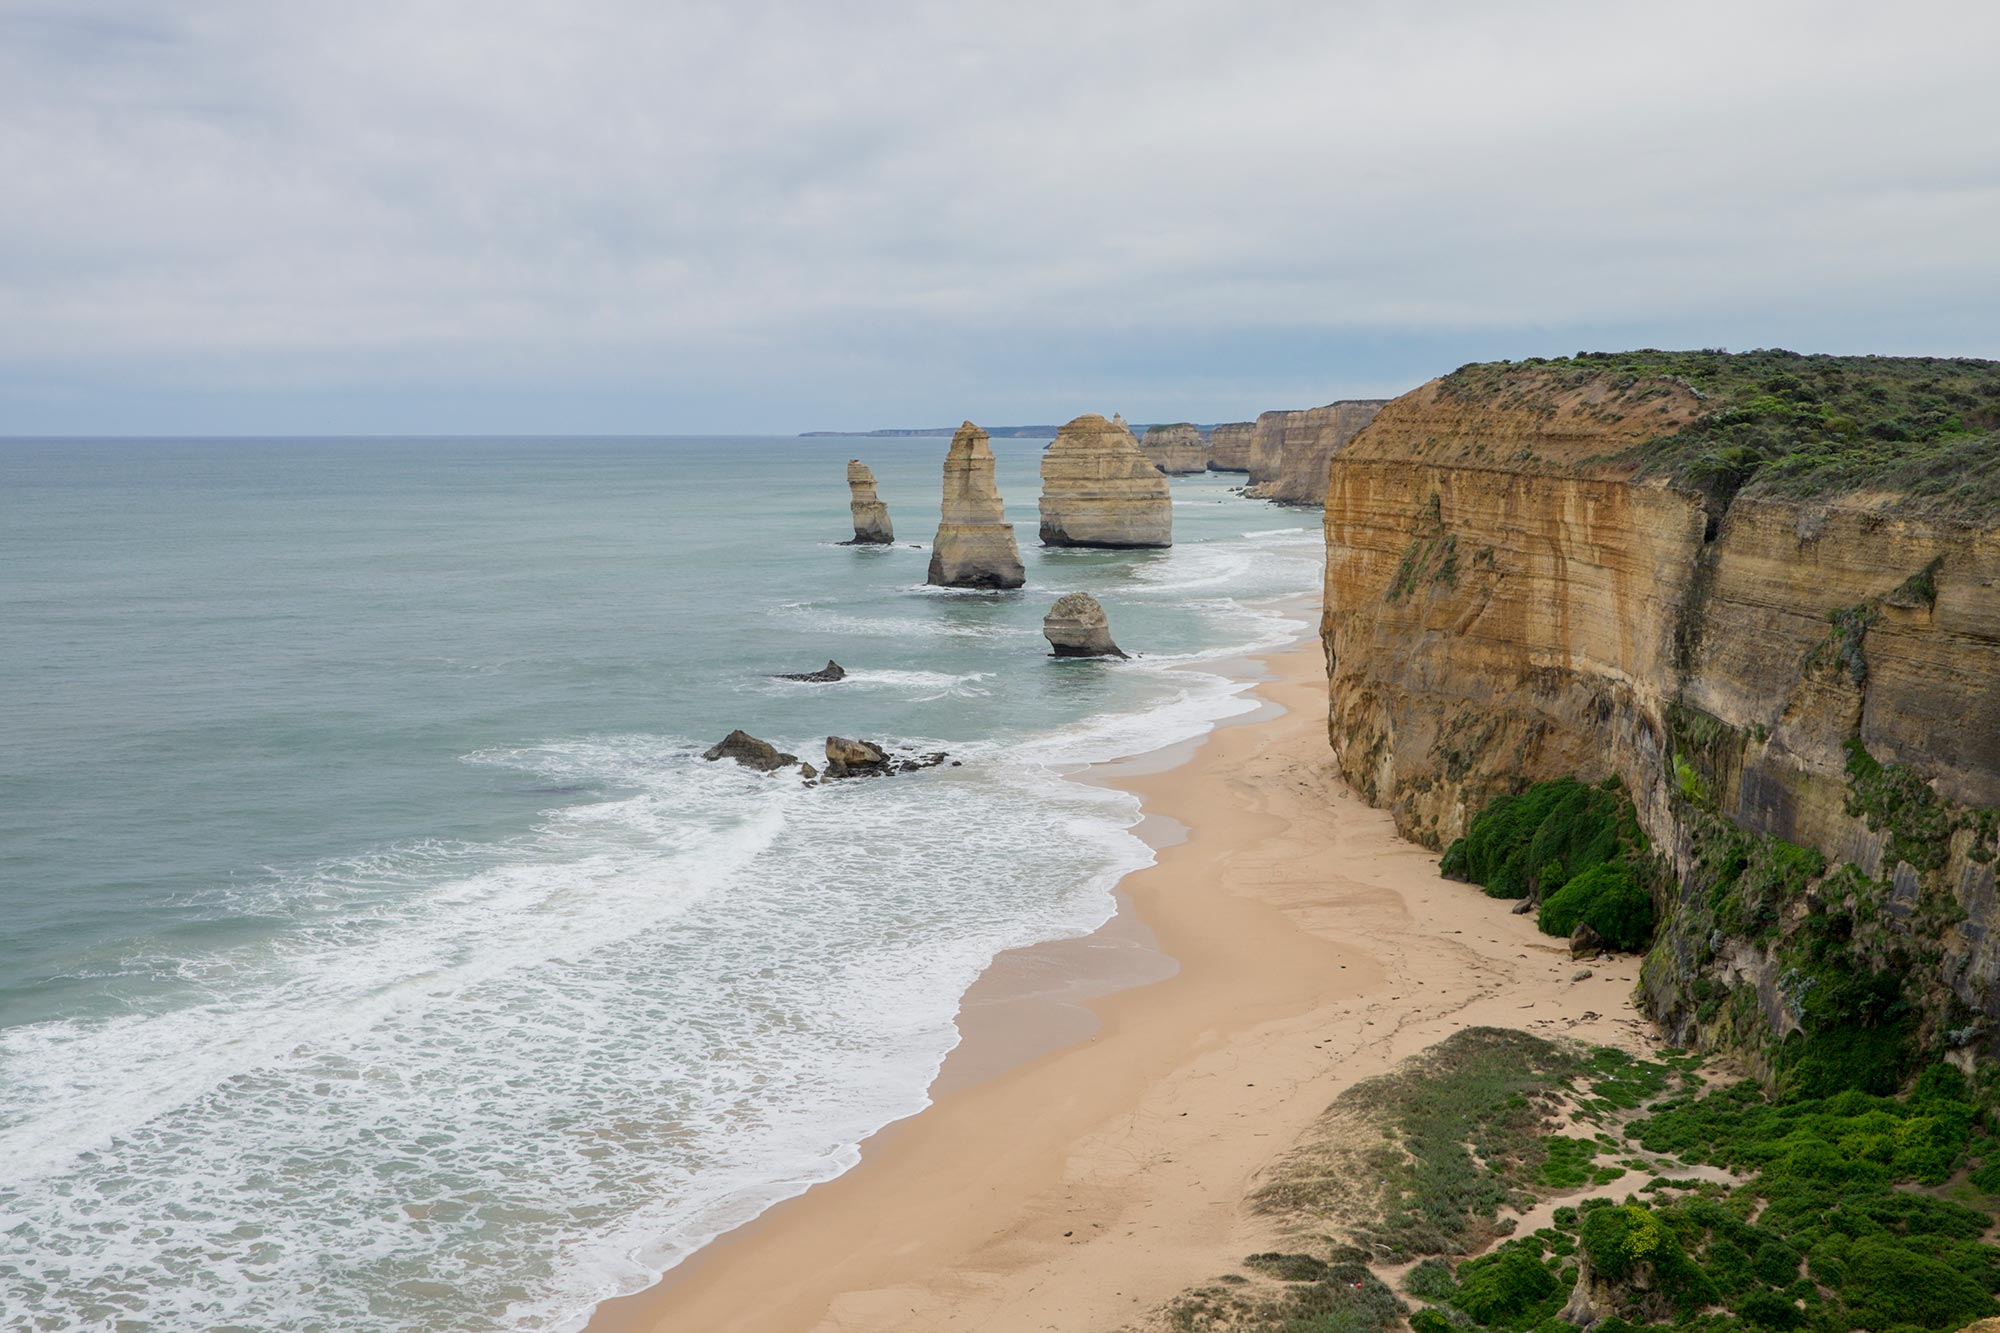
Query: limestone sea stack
point(871, 516)
point(1076, 627)
point(1098, 489)
point(974, 546)
point(1229, 446)
point(1177, 449)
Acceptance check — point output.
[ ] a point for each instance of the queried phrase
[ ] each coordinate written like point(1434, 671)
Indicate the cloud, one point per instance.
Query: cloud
point(693, 216)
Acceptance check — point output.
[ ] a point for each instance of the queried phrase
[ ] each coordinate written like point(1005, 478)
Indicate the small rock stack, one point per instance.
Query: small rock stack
point(1077, 627)
point(871, 516)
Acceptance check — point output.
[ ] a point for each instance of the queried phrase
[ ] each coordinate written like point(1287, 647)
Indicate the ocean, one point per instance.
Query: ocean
point(377, 951)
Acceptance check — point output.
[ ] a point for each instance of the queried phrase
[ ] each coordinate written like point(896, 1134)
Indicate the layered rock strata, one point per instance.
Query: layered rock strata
point(1290, 451)
point(974, 546)
point(1177, 449)
point(871, 516)
point(1229, 446)
point(1098, 489)
point(1510, 598)
point(1076, 626)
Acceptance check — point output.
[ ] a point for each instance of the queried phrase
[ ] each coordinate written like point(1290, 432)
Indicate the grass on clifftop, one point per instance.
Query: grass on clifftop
point(1785, 424)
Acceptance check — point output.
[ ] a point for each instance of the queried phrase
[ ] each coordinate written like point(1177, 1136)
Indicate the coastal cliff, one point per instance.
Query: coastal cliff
point(1229, 446)
point(1177, 449)
point(1098, 489)
point(1760, 593)
point(1289, 452)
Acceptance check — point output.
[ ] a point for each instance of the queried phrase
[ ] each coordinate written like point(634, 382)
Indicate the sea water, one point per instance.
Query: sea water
point(376, 949)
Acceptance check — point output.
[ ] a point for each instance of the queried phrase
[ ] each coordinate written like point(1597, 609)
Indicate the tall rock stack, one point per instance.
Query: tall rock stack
point(1292, 452)
point(871, 516)
point(1229, 446)
point(1177, 449)
point(974, 547)
point(1098, 489)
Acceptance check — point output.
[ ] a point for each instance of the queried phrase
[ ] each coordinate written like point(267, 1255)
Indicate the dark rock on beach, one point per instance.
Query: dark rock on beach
point(750, 752)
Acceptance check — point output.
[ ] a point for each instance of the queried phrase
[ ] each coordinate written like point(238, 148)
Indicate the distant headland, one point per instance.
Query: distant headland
point(993, 432)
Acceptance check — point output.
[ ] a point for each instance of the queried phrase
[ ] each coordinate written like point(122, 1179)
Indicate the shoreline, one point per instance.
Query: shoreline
point(1091, 1140)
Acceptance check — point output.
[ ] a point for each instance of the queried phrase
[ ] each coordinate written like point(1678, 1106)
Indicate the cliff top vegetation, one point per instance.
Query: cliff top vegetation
point(1786, 424)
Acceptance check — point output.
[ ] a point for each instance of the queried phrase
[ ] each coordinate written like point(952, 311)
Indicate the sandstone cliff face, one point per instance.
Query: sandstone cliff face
point(1506, 604)
point(1289, 451)
point(974, 546)
point(871, 516)
point(1229, 446)
point(1098, 489)
point(1177, 449)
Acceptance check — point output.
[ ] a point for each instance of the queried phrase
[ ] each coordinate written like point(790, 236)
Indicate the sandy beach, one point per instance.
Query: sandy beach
point(1093, 1139)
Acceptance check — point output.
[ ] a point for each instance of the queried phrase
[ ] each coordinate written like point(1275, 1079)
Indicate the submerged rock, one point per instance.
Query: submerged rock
point(974, 547)
point(1076, 627)
point(1177, 449)
point(750, 752)
point(1098, 489)
point(871, 516)
point(832, 671)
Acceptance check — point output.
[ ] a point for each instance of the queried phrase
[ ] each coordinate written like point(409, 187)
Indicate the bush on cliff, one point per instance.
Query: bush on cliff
point(1578, 848)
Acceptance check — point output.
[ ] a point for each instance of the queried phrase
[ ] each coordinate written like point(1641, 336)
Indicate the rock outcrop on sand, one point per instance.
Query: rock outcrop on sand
point(1523, 585)
point(1098, 489)
point(827, 674)
point(750, 752)
point(1290, 451)
point(1076, 626)
point(1177, 449)
point(974, 547)
point(871, 516)
point(1229, 446)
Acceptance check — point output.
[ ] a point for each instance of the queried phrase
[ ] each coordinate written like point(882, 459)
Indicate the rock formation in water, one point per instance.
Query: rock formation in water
point(1177, 449)
point(865, 759)
point(1076, 627)
point(850, 758)
point(750, 752)
point(974, 547)
point(827, 674)
point(1098, 489)
point(871, 516)
point(1290, 451)
point(1594, 568)
point(1229, 446)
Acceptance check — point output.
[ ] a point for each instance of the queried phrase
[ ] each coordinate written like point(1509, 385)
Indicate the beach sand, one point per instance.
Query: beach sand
point(1089, 1153)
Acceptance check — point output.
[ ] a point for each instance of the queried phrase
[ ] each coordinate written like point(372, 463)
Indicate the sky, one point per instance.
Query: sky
point(660, 217)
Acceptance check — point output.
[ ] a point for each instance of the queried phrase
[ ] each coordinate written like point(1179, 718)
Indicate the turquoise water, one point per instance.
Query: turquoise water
point(375, 950)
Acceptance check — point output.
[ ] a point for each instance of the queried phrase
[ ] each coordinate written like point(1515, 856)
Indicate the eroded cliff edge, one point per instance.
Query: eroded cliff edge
point(1761, 592)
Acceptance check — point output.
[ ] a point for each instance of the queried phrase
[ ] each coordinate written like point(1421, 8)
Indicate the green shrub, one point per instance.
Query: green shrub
point(1505, 1289)
point(1607, 899)
point(1888, 1286)
point(1432, 1280)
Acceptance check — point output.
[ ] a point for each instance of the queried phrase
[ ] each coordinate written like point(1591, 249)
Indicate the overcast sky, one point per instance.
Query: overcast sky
point(660, 217)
